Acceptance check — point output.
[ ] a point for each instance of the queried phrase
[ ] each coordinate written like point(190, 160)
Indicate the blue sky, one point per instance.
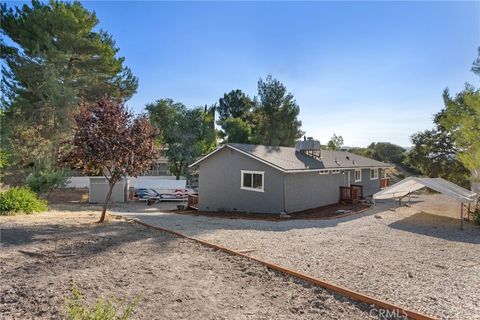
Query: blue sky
point(369, 71)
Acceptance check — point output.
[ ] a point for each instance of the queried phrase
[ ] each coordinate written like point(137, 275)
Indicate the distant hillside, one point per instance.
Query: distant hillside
point(397, 173)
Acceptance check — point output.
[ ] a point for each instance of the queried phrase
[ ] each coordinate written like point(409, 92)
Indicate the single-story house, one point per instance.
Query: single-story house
point(266, 179)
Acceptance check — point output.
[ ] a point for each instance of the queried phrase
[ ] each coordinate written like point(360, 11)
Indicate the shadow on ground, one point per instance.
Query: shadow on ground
point(439, 227)
point(75, 207)
point(91, 238)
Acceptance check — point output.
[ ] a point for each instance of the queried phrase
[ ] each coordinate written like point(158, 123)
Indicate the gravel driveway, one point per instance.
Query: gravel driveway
point(408, 256)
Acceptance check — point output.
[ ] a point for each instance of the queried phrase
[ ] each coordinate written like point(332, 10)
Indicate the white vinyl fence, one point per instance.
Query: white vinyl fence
point(139, 182)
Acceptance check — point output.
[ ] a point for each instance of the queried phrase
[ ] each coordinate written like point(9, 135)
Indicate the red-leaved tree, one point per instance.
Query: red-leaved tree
point(109, 140)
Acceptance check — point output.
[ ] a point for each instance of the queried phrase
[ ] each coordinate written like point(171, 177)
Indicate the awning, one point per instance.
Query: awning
point(411, 184)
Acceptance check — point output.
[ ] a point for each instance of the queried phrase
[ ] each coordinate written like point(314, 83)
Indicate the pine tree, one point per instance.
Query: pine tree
point(55, 60)
point(276, 115)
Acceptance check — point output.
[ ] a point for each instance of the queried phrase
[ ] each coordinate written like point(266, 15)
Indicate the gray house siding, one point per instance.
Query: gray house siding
point(220, 184)
point(369, 186)
point(220, 179)
point(308, 190)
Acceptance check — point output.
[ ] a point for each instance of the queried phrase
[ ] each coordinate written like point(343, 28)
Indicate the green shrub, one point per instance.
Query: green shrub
point(20, 200)
point(111, 309)
point(44, 177)
point(476, 216)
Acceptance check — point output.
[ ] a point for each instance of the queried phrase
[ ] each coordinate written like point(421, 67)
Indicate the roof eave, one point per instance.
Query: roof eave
point(334, 168)
point(382, 165)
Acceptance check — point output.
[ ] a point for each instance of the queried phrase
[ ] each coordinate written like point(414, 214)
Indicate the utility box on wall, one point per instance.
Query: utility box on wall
point(98, 189)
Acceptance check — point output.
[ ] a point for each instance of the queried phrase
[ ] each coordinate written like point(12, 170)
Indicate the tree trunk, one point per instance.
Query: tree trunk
point(107, 200)
point(178, 171)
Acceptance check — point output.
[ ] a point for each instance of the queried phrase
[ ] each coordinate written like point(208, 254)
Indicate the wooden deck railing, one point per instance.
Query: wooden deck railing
point(193, 201)
point(357, 191)
point(351, 194)
point(345, 193)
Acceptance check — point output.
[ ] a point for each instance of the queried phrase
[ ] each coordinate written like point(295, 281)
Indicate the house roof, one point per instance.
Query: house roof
point(289, 160)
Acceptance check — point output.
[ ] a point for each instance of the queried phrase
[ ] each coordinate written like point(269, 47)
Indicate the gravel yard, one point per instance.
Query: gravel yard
point(409, 256)
point(177, 279)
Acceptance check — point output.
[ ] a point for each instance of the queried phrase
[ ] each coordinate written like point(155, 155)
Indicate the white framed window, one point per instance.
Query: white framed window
point(358, 175)
point(336, 171)
point(323, 172)
point(252, 180)
point(373, 174)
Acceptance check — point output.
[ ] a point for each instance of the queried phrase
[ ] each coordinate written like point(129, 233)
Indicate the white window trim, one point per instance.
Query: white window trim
point(242, 172)
point(336, 171)
point(323, 172)
point(355, 176)
point(375, 176)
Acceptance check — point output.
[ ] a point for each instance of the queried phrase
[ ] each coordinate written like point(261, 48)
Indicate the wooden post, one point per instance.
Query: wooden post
point(461, 216)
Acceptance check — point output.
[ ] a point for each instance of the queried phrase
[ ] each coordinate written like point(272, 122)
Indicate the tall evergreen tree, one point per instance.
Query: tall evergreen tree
point(276, 115)
point(236, 130)
point(235, 104)
point(235, 116)
point(54, 60)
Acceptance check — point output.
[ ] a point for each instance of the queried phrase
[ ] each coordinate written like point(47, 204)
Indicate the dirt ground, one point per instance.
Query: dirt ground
point(42, 255)
point(414, 256)
point(68, 196)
